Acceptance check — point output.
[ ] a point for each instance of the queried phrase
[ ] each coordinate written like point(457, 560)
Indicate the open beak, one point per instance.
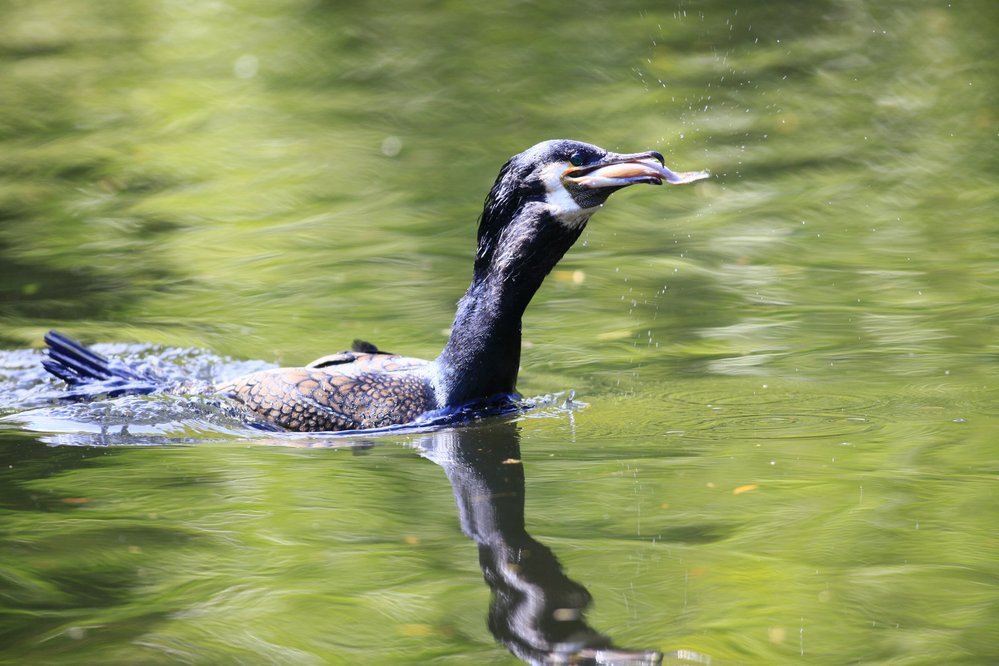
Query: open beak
point(623, 170)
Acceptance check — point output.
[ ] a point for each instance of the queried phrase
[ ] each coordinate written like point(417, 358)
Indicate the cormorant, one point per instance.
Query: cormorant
point(535, 211)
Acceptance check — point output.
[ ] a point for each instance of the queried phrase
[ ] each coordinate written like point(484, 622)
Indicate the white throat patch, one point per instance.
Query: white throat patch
point(560, 202)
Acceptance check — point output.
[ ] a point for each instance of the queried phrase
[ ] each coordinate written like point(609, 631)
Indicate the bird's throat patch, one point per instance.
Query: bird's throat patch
point(562, 205)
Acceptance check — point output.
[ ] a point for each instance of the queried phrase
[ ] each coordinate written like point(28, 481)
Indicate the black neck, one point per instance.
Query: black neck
point(482, 356)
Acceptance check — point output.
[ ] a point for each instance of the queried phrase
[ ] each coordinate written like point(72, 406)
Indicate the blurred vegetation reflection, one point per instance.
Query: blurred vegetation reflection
point(789, 449)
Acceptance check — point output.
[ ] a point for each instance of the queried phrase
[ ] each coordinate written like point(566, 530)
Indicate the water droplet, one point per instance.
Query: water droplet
point(246, 66)
point(391, 146)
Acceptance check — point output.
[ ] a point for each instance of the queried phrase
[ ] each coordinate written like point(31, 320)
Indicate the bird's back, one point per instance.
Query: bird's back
point(347, 391)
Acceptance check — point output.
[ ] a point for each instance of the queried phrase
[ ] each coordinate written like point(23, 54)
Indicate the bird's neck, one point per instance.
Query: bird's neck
point(482, 355)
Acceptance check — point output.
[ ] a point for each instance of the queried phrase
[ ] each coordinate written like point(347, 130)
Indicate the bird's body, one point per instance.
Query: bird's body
point(354, 390)
point(533, 214)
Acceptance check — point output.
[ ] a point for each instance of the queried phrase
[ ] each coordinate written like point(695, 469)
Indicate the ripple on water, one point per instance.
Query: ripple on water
point(957, 401)
point(770, 413)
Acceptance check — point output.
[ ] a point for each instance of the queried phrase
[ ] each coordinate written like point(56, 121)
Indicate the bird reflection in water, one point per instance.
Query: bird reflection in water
point(536, 610)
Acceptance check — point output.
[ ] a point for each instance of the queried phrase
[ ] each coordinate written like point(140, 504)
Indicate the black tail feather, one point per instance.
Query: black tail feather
point(72, 362)
point(63, 372)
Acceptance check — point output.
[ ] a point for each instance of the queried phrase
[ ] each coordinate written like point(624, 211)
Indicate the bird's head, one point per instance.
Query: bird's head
point(564, 182)
point(574, 178)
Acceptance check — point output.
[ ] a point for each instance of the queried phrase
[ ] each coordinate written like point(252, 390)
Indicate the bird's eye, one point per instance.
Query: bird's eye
point(577, 159)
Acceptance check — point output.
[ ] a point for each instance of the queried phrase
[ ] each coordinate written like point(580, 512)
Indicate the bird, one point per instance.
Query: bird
point(538, 206)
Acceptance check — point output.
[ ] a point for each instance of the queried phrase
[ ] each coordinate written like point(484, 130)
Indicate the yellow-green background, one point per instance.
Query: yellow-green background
point(817, 326)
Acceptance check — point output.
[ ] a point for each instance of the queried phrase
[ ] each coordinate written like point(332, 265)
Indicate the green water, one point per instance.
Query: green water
point(788, 448)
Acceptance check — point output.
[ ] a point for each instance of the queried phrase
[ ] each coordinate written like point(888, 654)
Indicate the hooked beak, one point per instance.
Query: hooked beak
point(623, 170)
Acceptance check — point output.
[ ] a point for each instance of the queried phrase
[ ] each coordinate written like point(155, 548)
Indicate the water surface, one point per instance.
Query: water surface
point(787, 448)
